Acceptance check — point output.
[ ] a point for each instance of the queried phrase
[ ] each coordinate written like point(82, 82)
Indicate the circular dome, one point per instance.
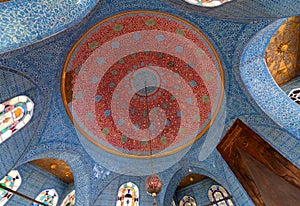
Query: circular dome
point(142, 81)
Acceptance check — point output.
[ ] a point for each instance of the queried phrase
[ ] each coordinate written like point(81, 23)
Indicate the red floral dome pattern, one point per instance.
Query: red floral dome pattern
point(142, 80)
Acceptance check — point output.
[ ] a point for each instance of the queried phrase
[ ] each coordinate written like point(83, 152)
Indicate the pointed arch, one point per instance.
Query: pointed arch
point(69, 200)
point(48, 196)
point(12, 181)
point(128, 195)
point(14, 114)
point(216, 193)
point(187, 200)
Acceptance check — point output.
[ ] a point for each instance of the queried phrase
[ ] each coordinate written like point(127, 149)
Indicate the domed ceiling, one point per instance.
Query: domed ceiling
point(142, 82)
point(282, 53)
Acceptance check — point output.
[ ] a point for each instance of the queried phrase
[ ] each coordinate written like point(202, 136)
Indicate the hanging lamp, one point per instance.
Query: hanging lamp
point(153, 182)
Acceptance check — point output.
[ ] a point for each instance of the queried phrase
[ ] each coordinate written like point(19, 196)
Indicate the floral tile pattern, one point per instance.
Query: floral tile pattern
point(108, 71)
point(26, 22)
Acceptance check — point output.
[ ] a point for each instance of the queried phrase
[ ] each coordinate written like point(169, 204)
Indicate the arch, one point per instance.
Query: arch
point(128, 195)
point(12, 181)
point(74, 157)
point(261, 85)
point(48, 197)
point(14, 114)
point(216, 193)
point(178, 175)
point(69, 199)
point(187, 201)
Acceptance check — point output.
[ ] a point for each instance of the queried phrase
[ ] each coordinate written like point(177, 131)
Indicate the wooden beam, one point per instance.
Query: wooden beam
point(22, 196)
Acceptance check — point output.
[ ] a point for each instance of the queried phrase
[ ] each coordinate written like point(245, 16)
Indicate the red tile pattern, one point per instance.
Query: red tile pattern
point(108, 69)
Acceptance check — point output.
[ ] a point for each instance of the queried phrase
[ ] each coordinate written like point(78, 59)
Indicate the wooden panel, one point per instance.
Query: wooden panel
point(243, 150)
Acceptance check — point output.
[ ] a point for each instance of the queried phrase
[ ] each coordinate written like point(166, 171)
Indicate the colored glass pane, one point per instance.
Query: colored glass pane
point(12, 181)
point(295, 95)
point(207, 3)
point(48, 197)
point(219, 196)
point(69, 200)
point(14, 114)
point(187, 201)
point(128, 195)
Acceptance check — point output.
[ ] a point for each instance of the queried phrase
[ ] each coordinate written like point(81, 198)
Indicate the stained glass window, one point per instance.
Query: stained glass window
point(173, 203)
point(12, 181)
point(216, 194)
point(69, 200)
point(187, 201)
point(14, 114)
point(128, 195)
point(207, 3)
point(295, 95)
point(48, 197)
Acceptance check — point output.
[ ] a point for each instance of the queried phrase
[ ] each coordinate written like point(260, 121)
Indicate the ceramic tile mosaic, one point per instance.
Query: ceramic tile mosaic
point(282, 52)
point(26, 22)
point(111, 68)
point(36, 71)
point(258, 80)
point(241, 11)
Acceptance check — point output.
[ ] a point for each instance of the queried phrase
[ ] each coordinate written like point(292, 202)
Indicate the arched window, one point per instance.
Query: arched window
point(12, 181)
point(48, 197)
point(207, 3)
point(128, 195)
point(187, 201)
point(216, 194)
point(14, 114)
point(69, 200)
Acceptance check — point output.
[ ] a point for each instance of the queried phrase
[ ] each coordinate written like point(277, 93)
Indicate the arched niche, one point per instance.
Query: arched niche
point(46, 180)
point(261, 85)
point(77, 162)
point(187, 180)
point(15, 84)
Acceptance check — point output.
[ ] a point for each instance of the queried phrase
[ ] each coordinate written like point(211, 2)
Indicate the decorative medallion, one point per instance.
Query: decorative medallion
point(142, 79)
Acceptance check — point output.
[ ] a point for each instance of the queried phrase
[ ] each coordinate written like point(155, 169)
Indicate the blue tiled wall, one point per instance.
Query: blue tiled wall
point(36, 71)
